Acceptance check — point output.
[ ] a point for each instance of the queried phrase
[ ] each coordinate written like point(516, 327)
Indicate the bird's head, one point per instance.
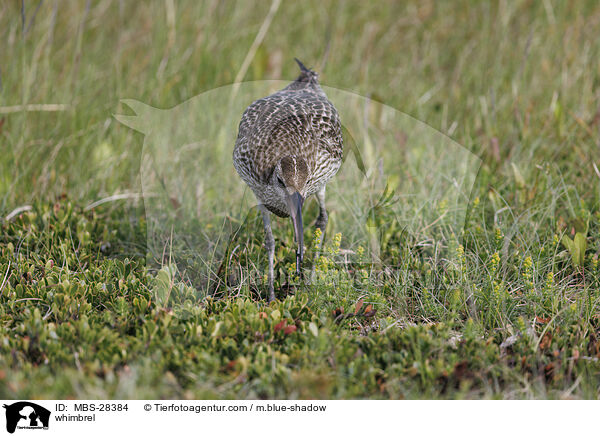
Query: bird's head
point(289, 179)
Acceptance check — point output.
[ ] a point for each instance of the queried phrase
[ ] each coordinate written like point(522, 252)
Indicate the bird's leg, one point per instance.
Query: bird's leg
point(320, 224)
point(270, 246)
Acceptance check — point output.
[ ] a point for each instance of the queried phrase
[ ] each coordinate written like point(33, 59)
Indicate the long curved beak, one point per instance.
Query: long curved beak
point(295, 202)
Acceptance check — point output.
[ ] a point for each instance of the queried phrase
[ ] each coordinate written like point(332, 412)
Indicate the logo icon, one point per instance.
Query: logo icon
point(26, 415)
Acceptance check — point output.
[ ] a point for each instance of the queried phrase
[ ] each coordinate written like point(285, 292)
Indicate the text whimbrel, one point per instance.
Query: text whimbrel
point(289, 145)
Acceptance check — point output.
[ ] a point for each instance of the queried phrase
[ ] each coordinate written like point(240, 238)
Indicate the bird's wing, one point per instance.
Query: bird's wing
point(288, 122)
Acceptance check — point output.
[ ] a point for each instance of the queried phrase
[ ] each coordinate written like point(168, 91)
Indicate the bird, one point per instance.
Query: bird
point(289, 145)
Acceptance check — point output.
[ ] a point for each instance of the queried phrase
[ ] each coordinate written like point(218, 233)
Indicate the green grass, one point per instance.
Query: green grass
point(510, 309)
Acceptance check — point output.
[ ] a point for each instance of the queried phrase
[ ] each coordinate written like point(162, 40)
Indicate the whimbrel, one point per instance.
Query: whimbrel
point(288, 147)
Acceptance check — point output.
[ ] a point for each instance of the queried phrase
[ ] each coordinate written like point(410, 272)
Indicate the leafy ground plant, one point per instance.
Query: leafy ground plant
point(80, 320)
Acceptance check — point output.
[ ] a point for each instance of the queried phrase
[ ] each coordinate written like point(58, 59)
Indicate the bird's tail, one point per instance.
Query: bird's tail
point(307, 78)
point(302, 67)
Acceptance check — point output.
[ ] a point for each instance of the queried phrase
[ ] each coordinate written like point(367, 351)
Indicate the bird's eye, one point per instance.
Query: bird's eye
point(280, 181)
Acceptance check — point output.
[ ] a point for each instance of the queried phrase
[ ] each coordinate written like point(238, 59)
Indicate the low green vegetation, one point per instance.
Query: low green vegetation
point(508, 309)
point(81, 320)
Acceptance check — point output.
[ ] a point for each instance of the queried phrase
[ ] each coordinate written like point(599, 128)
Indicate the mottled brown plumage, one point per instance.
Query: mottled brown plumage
point(288, 147)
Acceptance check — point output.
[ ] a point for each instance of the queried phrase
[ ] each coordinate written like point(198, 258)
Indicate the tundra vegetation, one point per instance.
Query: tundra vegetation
point(508, 310)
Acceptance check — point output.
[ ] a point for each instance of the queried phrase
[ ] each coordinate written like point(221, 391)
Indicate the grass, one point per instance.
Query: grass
point(507, 309)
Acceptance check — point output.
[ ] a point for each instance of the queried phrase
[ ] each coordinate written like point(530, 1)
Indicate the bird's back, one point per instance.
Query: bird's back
point(300, 121)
